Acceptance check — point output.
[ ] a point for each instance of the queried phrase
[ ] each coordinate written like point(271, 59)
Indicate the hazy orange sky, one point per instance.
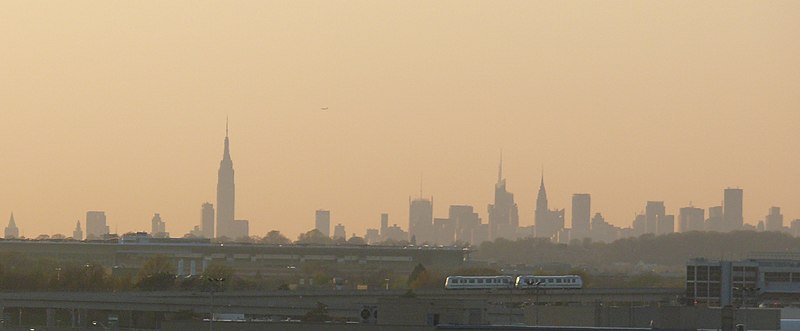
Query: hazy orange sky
point(120, 106)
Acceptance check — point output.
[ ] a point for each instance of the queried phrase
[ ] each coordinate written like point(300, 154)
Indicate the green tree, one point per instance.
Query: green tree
point(318, 314)
point(357, 241)
point(275, 237)
point(314, 237)
point(156, 274)
point(418, 276)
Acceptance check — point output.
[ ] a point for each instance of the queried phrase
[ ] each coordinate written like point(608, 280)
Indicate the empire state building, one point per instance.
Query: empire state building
point(226, 194)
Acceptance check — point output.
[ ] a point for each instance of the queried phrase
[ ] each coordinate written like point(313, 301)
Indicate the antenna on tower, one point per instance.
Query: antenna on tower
point(500, 170)
point(420, 185)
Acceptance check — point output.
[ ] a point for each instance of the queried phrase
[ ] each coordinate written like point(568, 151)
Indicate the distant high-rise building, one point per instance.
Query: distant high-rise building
point(542, 214)
point(581, 213)
point(548, 222)
point(774, 221)
point(226, 193)
point(158, 228)
point(384, 223)
point(639, 225)
point(420, 221)
point(207, 220)
point(322, 222)
point(715, 221)
point(239, 229)
point(96, 227)
point(466, 221)
point(77, 234)
point(795, 228)
point(394, 234)
point(444, 231)
point(338, 232)
point(12, 232)
point(503, 214)
point(603, 231)
point(666, 225)
point(480, 234)
point(691, 219)
point(372, 236)
point(654, 211)
point(732, 216)
point(197, 232)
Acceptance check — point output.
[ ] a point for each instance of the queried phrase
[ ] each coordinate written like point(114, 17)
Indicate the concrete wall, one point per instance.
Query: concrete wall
point(662, 317)
point(284, 326)
point(429, 312)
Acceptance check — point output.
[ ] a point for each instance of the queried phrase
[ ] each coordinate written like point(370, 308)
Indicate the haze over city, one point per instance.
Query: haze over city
point(122, 108)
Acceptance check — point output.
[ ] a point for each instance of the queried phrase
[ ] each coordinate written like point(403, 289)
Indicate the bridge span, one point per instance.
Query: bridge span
point(299, 302)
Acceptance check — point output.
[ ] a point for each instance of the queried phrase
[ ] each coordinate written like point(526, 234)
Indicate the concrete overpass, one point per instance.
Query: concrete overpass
point(80, 308)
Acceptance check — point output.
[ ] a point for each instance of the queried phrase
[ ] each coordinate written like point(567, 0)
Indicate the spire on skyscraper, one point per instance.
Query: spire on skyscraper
point(226, 194)
point(541, 199)
point(500, 170)
point(226, 155)
point(11, 231)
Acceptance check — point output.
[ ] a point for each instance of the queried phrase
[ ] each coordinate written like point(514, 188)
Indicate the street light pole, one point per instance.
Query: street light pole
point(214, 283)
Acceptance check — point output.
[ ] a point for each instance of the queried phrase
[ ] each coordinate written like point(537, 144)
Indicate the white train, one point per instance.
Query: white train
point(507, 282)
point(478, 282)
point(545, 282)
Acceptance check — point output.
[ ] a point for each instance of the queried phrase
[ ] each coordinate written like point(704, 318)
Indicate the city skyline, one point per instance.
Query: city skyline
point(343, 106)
point(650, 216)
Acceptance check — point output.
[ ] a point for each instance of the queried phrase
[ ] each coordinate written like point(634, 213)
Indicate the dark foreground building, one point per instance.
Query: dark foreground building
point(766, 279)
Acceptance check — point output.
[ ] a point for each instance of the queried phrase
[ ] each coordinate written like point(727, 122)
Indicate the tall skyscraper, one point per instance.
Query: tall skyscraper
point(207, 220)
point(639, 225)
point(322, 222)
point(466, 222)
point(444, 231)
point(503, 214)
point(774, 221)
point(158, 228)
point(602, 230)
point(420, 220)
point(665, 225)
point(226, 193)
point(581, 214)
point(77, 234)
point(653, 212)
point(12, 232)
point(96, 227)
point(384, 224)
point(732, 216)
point(715, 221)
point(239, 229)
point(542, 212)
point(547, 222)
point(691, 219)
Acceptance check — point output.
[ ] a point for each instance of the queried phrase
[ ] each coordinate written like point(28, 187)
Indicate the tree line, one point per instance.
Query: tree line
point(671, 249)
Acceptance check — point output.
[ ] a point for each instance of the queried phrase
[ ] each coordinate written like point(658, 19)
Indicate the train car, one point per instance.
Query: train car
point(478, 282)
point(549, 282)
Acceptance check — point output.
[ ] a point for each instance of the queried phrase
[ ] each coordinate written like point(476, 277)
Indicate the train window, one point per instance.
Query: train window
point(480, 281)
point(558, 280)
point(472, 281)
